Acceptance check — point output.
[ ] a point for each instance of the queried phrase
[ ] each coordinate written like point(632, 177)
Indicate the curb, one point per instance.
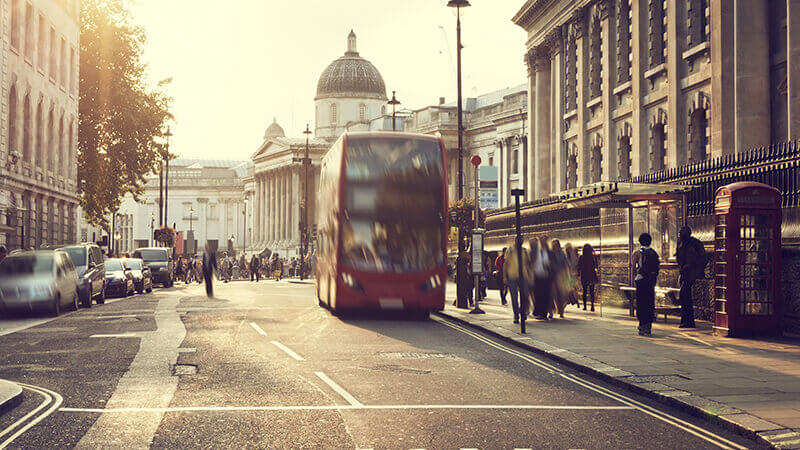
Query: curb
point(733, 419)
point(10, 395)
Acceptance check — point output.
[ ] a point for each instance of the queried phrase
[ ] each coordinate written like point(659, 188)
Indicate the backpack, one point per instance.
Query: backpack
point(703, 258)
point(649, 265)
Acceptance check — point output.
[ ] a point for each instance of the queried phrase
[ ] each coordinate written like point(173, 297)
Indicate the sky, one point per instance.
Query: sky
point(237, 64)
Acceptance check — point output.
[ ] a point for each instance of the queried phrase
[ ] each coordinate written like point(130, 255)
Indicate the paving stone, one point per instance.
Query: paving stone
point(751, 422)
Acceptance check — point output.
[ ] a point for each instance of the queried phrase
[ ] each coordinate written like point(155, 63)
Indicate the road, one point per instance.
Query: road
point(262, 365)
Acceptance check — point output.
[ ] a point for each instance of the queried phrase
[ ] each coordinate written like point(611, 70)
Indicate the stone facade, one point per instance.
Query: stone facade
point(495, 128)
point(620, 88)
point(39, 51)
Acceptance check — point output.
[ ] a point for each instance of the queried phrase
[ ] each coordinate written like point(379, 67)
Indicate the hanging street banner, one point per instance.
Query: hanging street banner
point(489, 198)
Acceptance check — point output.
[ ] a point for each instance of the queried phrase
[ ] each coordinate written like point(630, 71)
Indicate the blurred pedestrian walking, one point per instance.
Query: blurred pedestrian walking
point(209, 267)
point(498, 275)
point(255, 266)
point(572, 274)
point(517, 288)
point(691, 256)
point(541, 261)
point(646, 264)
point(560, 271)
point(587, 270)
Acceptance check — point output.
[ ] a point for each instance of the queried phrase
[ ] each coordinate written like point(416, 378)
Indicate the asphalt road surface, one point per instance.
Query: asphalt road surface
point(262, 365)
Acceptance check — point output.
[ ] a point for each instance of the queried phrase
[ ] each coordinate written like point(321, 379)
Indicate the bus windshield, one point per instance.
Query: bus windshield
point(394, 205)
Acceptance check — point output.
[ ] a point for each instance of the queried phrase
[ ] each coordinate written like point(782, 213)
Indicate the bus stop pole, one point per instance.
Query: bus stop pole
point(523, 300)
point(477, 250)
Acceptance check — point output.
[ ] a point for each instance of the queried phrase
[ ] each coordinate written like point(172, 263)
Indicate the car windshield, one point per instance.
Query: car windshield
point(26, 265)
point(113, 265)
point(153, 255)
point(134, 264)
point(77, 255)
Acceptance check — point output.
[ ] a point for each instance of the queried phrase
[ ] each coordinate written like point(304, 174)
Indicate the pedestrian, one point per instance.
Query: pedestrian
point(541, 260)
point(225, 268)
point(646, 265)
point(517, 288)
point(691, 256)
point(572, 274)
point(3, 252)
point(179, 268)
point(464, 277)
point(209, 267)
point(587, 271)
point(498, 275)
point(560, 271)
point(255, 263)
point(488, 265)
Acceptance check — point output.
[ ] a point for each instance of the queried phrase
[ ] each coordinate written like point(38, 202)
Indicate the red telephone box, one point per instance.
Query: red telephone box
point(747, 252)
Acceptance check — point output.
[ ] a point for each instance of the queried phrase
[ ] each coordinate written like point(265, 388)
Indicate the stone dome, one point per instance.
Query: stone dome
point(274, 130)
point(351, 76)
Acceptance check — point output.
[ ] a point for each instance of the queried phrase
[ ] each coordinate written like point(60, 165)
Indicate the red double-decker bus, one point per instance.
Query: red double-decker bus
point(382, 223)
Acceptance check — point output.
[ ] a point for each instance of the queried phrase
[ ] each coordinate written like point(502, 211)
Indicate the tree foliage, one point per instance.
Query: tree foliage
point(122, 118)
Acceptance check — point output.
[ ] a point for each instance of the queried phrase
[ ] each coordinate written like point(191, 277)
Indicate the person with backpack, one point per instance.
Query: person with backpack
point(646, 265)
point(691, 256)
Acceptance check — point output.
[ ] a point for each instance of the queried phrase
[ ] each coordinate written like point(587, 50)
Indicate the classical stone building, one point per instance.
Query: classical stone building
point(494, 128)
point(39, 42)
point(620, 88)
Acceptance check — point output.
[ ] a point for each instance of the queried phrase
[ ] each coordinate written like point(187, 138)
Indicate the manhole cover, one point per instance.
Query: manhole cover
point(397, 369)
point(657, 378)
point(412, 355)
point(184, 369)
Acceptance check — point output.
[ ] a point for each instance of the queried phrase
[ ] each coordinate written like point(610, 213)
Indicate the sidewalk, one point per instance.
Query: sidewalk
point(750, 385)
point(10, 395)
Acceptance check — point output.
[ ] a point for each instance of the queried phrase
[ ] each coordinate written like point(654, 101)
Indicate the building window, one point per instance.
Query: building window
point(491, 160)
point(212, 211)
point(515, 161)
point(572, 168)
point(659, 148)
point(63, 58)
point(16, 23)
point(657, 32)
point(595, 56)
point(53, 53)
point(71, 70)
point(623, 17)
point(27, 153)
point(571, 68)
point(40, 153)
point(698, 135)
point(362, 112)
point(697, 22)
point(12, 119)
point(334, 114)
point(62, 154)
point(70, 150)
point(624, 157)
point(29, 31)
point(52, 152)
point(42, 50)
point(597, 164)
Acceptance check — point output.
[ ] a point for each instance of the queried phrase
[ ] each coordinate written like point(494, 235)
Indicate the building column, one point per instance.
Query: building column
point(258, 217)
point(502, 179)
point(202, 222)
point(751, 69)
point(583, 94)
point(608, 63)
point(273, 217)
point(268, 208)
point(542, 125)
point(281, 206)
point(723, 103)
point(223, 225)
point(558, 159)
point(529, 184)
point(295, 206)
point(640, 154)
point(793, 66)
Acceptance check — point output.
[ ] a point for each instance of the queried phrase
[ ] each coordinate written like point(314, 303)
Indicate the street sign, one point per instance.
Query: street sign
point(476, 160)
point(488, 195)
point(477, 251)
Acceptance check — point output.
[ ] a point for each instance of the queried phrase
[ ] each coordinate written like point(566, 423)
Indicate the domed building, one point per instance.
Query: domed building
point(274, 130)
point(350, 92)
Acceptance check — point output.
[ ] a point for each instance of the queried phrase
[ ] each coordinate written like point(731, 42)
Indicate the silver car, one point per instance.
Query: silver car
point(38, 280)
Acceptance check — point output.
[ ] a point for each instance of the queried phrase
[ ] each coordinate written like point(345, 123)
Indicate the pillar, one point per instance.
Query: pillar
point(295, 206)
point(751, 79)
point(640, 144)
point(722, 73)
point(502, 177)
point(793, 66)
point(529, 184)
point(542, 126)
point(609, 75)
point(557, 156)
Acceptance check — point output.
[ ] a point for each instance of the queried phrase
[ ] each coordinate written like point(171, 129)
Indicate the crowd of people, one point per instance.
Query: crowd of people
point(545, 278)
point(228, 268)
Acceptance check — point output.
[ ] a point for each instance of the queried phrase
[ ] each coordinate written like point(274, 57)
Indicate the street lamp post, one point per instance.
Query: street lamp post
point(306, 161)
point(191, 231)
point(244, 227)
point(458, 4)
point(394, 102)
point(168, 135)
point(152, 229)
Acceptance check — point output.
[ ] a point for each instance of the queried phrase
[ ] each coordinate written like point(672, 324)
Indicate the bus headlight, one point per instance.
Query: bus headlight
point(351, 282)
point(434, 282)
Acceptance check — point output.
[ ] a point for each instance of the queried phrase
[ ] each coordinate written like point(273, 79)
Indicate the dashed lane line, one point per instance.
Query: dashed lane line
point(690, 428)
point(258, 329)
point(340, 390)
point(288, 351)
point(351, 407)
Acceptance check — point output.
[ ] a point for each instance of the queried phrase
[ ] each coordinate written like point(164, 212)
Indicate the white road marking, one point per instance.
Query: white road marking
point(258, 329)
point(340, 407)
point(346, 395)
point(692, 429)
point(288, 351)
point(52, 398)
point(149, 373)
point(120, 335)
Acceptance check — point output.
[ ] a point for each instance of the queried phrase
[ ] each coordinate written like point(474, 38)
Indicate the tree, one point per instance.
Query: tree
point(121, 118)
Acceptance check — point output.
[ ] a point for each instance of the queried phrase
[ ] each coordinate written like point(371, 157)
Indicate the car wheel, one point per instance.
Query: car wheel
point(87, 301)
point(102, 298)
point(55, 308)
point(75, 305)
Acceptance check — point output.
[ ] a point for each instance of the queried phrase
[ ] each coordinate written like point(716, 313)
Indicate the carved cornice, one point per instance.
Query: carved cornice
point(552, 43)
point(603, 8)
point(577, 23)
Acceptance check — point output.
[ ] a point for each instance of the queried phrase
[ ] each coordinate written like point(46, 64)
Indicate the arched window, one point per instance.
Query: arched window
point(659, 152)
point(40, 144)
point(334, 114)
point(515, 161)
point(12, 119)
point(16, 23)
point(70, 150)
point(362, 112)
point(52, 152)
point(572, 168)
point(62, 149)
point(624, 157)
point(597, 164)
point(698, 137)
point(697, 22)
point(27, 154)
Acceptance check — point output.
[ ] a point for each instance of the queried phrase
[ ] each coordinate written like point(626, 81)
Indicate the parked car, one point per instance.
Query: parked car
point(159, 260)
point(119, 279)
point(36, 280)
point(91, 269)
point(142, 278)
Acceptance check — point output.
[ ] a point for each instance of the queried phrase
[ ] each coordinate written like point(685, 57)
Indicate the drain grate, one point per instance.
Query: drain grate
point(413, 355)
point(657, 378)
point(184, 369)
